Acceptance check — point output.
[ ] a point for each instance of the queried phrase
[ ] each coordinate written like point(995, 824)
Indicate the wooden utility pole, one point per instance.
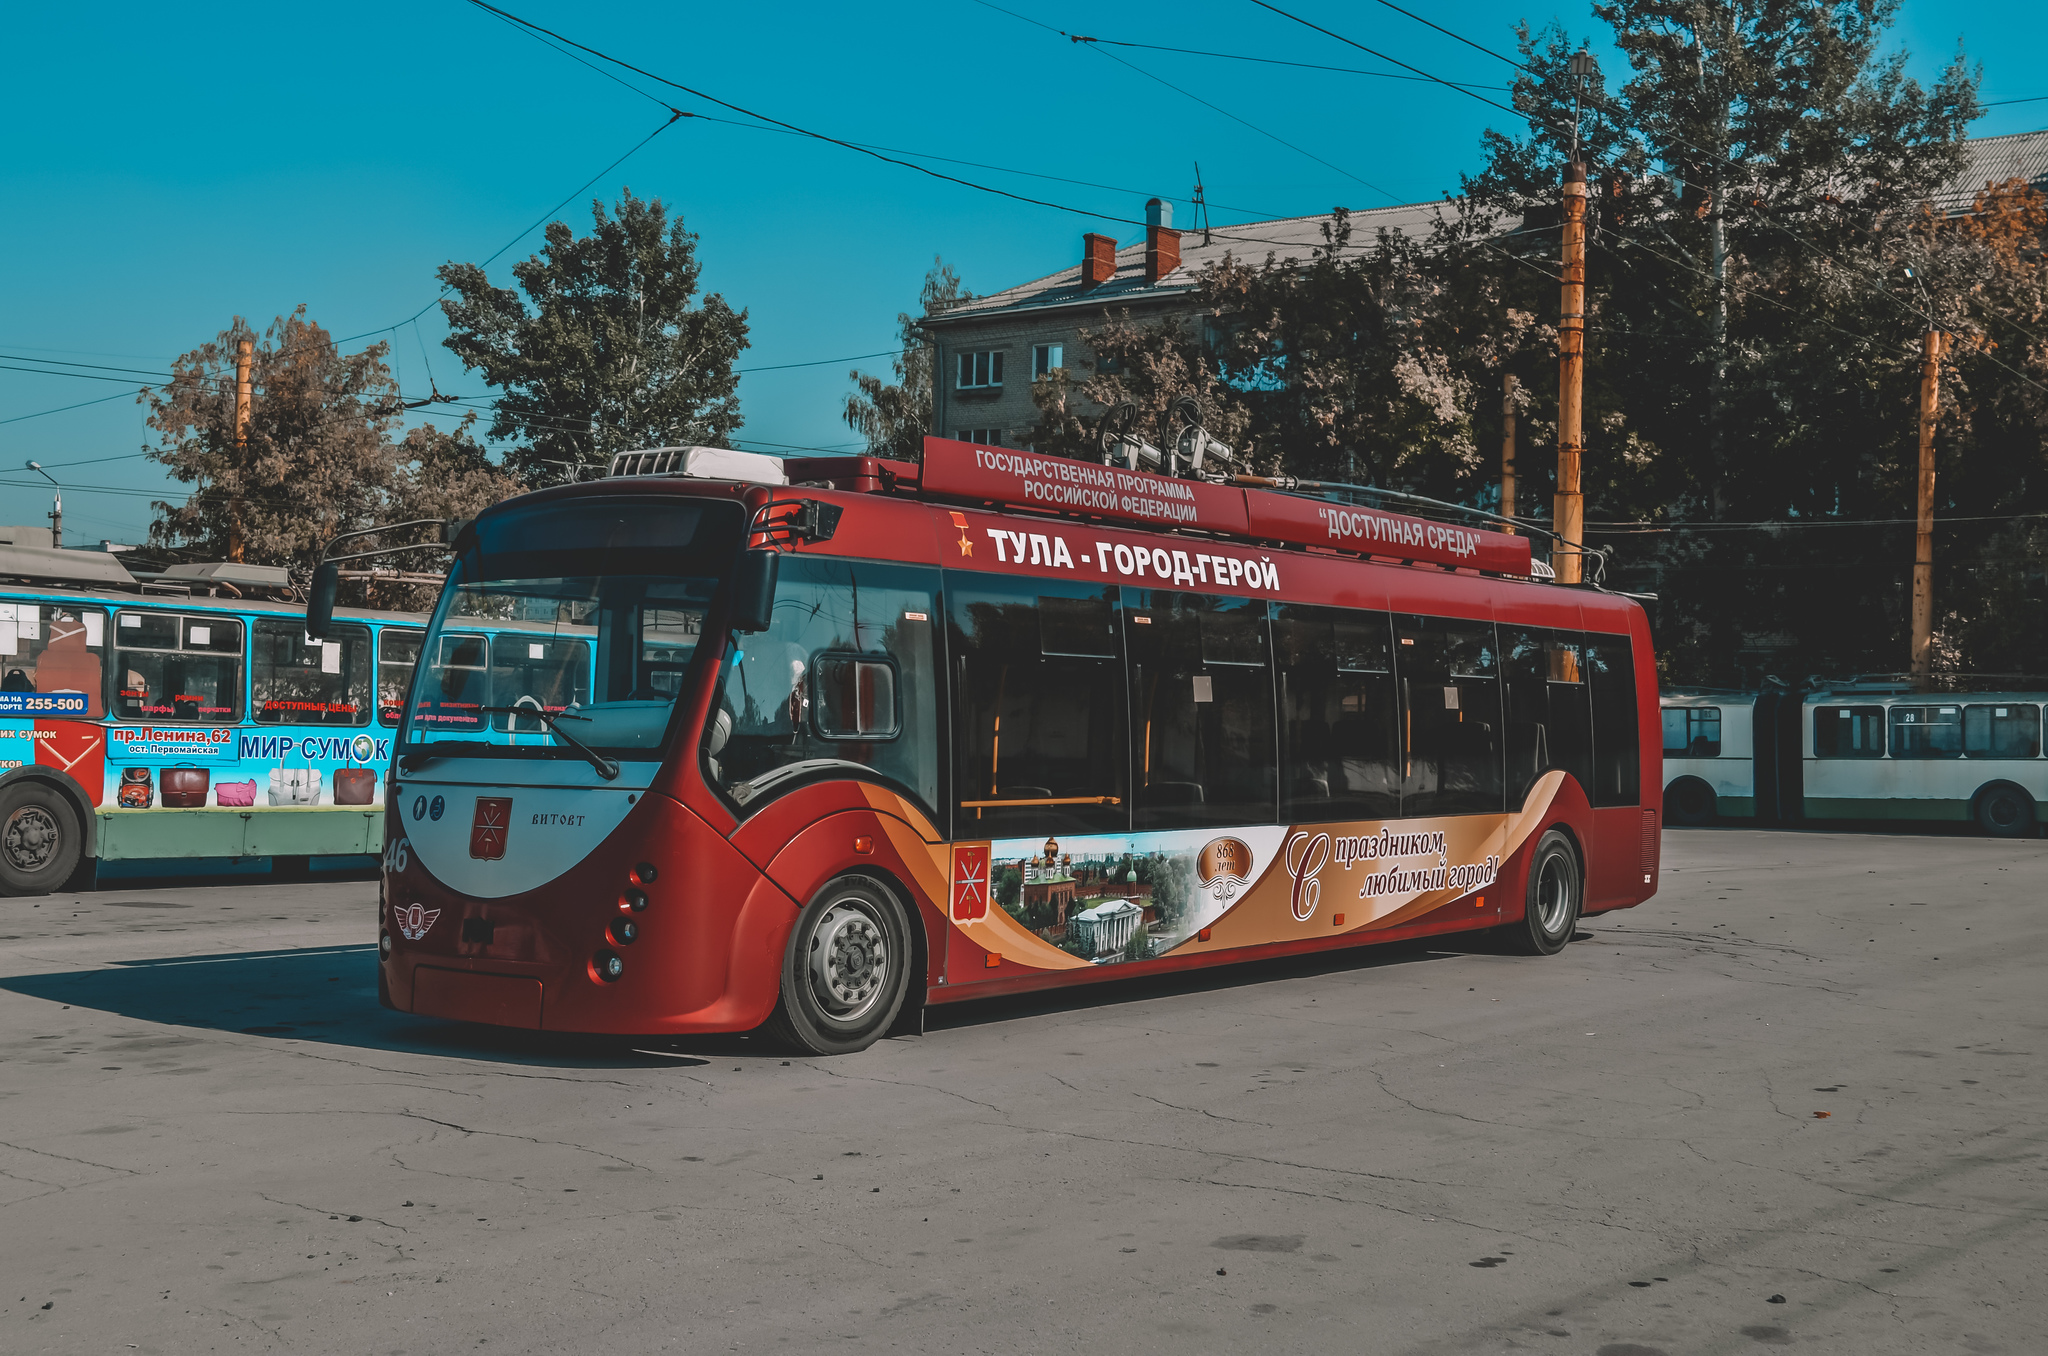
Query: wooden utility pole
point(1569, 515)
point(1507, 447)
point(1923, 536)
point(243, 358)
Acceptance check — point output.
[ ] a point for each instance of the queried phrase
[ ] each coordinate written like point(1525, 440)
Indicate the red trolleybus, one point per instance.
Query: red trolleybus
point(817, 754)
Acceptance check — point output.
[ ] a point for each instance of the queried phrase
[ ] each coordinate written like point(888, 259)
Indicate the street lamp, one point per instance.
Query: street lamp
point(57, 509)
point(1581, 66)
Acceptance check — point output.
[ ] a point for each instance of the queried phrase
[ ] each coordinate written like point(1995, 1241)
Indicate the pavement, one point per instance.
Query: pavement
point(1795, 1099)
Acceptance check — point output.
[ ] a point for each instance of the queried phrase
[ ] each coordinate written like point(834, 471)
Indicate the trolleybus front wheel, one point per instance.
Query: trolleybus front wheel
point(2005, 811)
point(40, 841)
point(847, 969)
point(1556, 890)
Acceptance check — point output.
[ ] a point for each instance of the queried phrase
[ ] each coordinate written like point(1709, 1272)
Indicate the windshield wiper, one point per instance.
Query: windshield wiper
point(606, 768)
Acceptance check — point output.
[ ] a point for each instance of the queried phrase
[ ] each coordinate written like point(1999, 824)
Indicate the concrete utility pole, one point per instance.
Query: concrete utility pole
point(1507, 447)
point(56, 506)
point(243, 358)
point(1569, 515)
point(1923, 535)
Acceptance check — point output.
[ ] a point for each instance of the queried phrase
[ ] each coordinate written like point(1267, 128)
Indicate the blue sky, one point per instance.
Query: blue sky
point(166, 170)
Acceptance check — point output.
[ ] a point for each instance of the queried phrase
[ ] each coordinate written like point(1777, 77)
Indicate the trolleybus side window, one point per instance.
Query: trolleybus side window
point(456, 683)
point(301, 681)
point(1548, 721)
point(1617, 771)
point(398, 653)
point(1041, 708)
point(1927, 731)
point(1339, 752)
point(173, 667)
point(1201, 709)
point(1848, 732)
point(1450, 720)
point(843, 683)
point(2002, 730)
point(543, 670)
point(1692, 732)
point(54, 649)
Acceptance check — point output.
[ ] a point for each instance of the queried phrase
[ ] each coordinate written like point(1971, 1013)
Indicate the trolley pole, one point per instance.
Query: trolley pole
point(1570, 511)
point(243, 359)
point(1507, 448)
point(1923, 536)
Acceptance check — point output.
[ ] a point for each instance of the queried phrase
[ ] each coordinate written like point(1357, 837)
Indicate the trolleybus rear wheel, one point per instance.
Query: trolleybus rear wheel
point(846, 971)
point(2005, 811)
point(1689, 801)
point(40, 841)
point(1556, 890)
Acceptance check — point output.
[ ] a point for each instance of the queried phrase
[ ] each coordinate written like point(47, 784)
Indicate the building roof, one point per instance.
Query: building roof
point(1993, 160)
point(1110, 908)
point(1287, 238)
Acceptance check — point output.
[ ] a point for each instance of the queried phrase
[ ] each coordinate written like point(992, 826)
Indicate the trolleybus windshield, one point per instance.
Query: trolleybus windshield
point(590, 611)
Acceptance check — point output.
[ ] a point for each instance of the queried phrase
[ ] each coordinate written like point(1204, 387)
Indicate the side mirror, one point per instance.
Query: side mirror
point(753, 590)
point(320, 599)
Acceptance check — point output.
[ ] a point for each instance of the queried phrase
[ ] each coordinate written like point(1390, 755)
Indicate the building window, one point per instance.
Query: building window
point(981, 371)
point(987, 437)
point(1046, 358)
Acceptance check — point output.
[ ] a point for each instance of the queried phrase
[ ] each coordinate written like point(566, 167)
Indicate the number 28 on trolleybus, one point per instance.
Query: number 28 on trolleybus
point(855, 736)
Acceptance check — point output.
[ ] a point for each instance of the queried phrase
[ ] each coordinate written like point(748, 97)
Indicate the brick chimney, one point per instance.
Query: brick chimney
point(1162, 242)
point(1098, 259)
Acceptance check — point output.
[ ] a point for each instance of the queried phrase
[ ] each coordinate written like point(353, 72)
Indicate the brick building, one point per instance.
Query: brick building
point(990, 349)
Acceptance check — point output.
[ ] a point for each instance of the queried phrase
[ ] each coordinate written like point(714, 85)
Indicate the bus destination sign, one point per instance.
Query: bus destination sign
point(1027, 480)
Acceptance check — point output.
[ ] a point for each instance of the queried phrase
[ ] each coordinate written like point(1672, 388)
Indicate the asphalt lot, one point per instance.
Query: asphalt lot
point(1794, 1099)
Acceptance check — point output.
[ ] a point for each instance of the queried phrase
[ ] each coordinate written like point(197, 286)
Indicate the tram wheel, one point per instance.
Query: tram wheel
point(846, 971)
point(1556, 891)
point(2005, 811)
point(40, 839)
point(1689, 801)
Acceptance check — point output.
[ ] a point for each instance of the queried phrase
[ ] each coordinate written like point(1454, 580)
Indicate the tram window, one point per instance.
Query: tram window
point(1692, 732)
point(1339, 756)
point(1548, 725)
point(2011, 730)
point(1848, 732)
point(55, 648)
point(301, 681)
point(1201, 710)
point(1449, 673)
point(177, 668)
point(1617, 771)
point(537, 669)
point(844, 682)
point(1927, 731)
point(398, 653)
point(1040, 708)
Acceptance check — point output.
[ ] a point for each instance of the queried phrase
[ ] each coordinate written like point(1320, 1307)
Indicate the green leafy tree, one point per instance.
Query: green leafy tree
point(609, 349)
point(317, 458)
point(896, 417)
point(1153, 366)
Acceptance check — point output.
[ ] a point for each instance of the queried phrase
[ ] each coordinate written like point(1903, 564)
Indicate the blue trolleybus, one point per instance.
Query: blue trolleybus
point(187, 715)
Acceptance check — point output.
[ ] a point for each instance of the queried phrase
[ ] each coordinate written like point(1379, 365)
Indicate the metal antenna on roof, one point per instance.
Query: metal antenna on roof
point(1201, 204)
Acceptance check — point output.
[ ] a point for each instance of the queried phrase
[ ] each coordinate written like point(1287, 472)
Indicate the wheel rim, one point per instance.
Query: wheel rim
point(2005, 811)
point(1553, 894)
point(848, 959)
point(30, 839)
